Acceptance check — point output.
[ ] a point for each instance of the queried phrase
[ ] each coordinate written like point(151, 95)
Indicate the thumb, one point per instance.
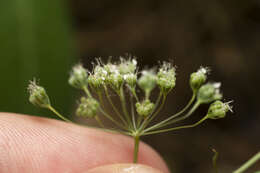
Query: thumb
point(124, 168)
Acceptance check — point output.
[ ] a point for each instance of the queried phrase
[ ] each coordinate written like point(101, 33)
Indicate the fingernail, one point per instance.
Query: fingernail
point(124, 168)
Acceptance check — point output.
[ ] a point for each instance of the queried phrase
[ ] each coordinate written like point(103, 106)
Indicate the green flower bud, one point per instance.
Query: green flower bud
point(88, 107)
point(166, 79)
point(100, 71)
point(218, 109)
point(130, 79)
point(78, 77)
point(197, 79)
point(95, 82)
point(127, 66)
point(38, 95)
point(147, 82)
point(209, 92)
point(111, 68)
point(98, 79)
point(115, 81)
point(145, 108)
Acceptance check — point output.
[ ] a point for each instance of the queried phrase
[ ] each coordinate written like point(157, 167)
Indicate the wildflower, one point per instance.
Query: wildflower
point(38, 95)
point(218, 109)
point(115, 81)
point(98, 78)
point(145, 108)
point(197, 79)
point(78, 77)
point(127, 66)
point(209, 92)
point(147, 81)
point(88, 107)
point(166, 78)
point(130, 79)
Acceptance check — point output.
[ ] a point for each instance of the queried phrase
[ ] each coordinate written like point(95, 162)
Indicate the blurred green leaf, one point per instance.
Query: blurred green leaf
point(35, 41)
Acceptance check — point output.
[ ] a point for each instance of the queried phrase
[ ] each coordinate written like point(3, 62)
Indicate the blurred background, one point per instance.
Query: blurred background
point(43, 39)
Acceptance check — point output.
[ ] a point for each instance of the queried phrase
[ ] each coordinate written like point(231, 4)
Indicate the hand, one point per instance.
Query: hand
point(38, 145)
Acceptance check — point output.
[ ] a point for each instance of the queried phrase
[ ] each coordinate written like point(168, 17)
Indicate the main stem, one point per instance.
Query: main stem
point(249, 163)
point(136, 149)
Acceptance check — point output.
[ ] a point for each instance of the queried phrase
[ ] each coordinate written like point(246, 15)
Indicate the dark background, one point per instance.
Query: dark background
point(44, 38)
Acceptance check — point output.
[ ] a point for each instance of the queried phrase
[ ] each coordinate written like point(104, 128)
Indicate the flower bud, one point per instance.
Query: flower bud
point(115, 81)
point(127, 66)
point(100, 71)
point(111, 68)
point(218, 109)
point(78, 77)
point(209, 92)
point(166, 79)
point(88, 107)
point(145, 108)
point(147, 81)
point(98, 78)
point(95, 82)
point(197, 79)
point(38, 95)
point(130, 79)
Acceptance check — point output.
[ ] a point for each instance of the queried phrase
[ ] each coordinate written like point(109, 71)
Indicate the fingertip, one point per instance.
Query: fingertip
point(124, 168)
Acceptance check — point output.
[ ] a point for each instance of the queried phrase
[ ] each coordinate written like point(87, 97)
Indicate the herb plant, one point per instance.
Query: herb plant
point(125, 79)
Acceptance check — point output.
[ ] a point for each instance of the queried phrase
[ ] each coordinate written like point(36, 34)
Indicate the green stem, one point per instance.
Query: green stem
point(133, 111)
point(179, 113)
point(134, 94)
point(114, 108)
point(249, 163)
point(112, 119)
point(176, 128)
point(214, 160)
point(167, 121)
point(58, 114)
point(87, 91)
point(136, 148)
point(149, 119)
point(123, 102)
point(101, 99)
point(99, 122)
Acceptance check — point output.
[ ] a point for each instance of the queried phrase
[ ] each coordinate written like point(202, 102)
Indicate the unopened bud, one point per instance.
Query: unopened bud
point(166, 79)
point(127, 66)
point(209, 92)
point(88, 107)
point(145, 108)
point(95, 82)
point(130, 79)
point(115, 81)
point(78, 77)
point(147, 81)
point(38, 95)
point(218, 109)
point(197, 79)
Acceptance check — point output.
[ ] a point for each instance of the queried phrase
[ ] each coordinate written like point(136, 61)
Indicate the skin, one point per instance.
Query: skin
point(33, 144)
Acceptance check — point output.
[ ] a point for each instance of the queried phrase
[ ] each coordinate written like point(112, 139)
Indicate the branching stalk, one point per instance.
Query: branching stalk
point(176, 128)
point(114, 107)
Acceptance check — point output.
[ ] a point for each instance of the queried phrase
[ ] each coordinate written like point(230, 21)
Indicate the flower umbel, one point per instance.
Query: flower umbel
point(88, 107)
point(134, 117)
point(166, 78)
point(209, 92)
point(218, 109)
point(78, 77)
point(38, 95)
point(197, 79)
